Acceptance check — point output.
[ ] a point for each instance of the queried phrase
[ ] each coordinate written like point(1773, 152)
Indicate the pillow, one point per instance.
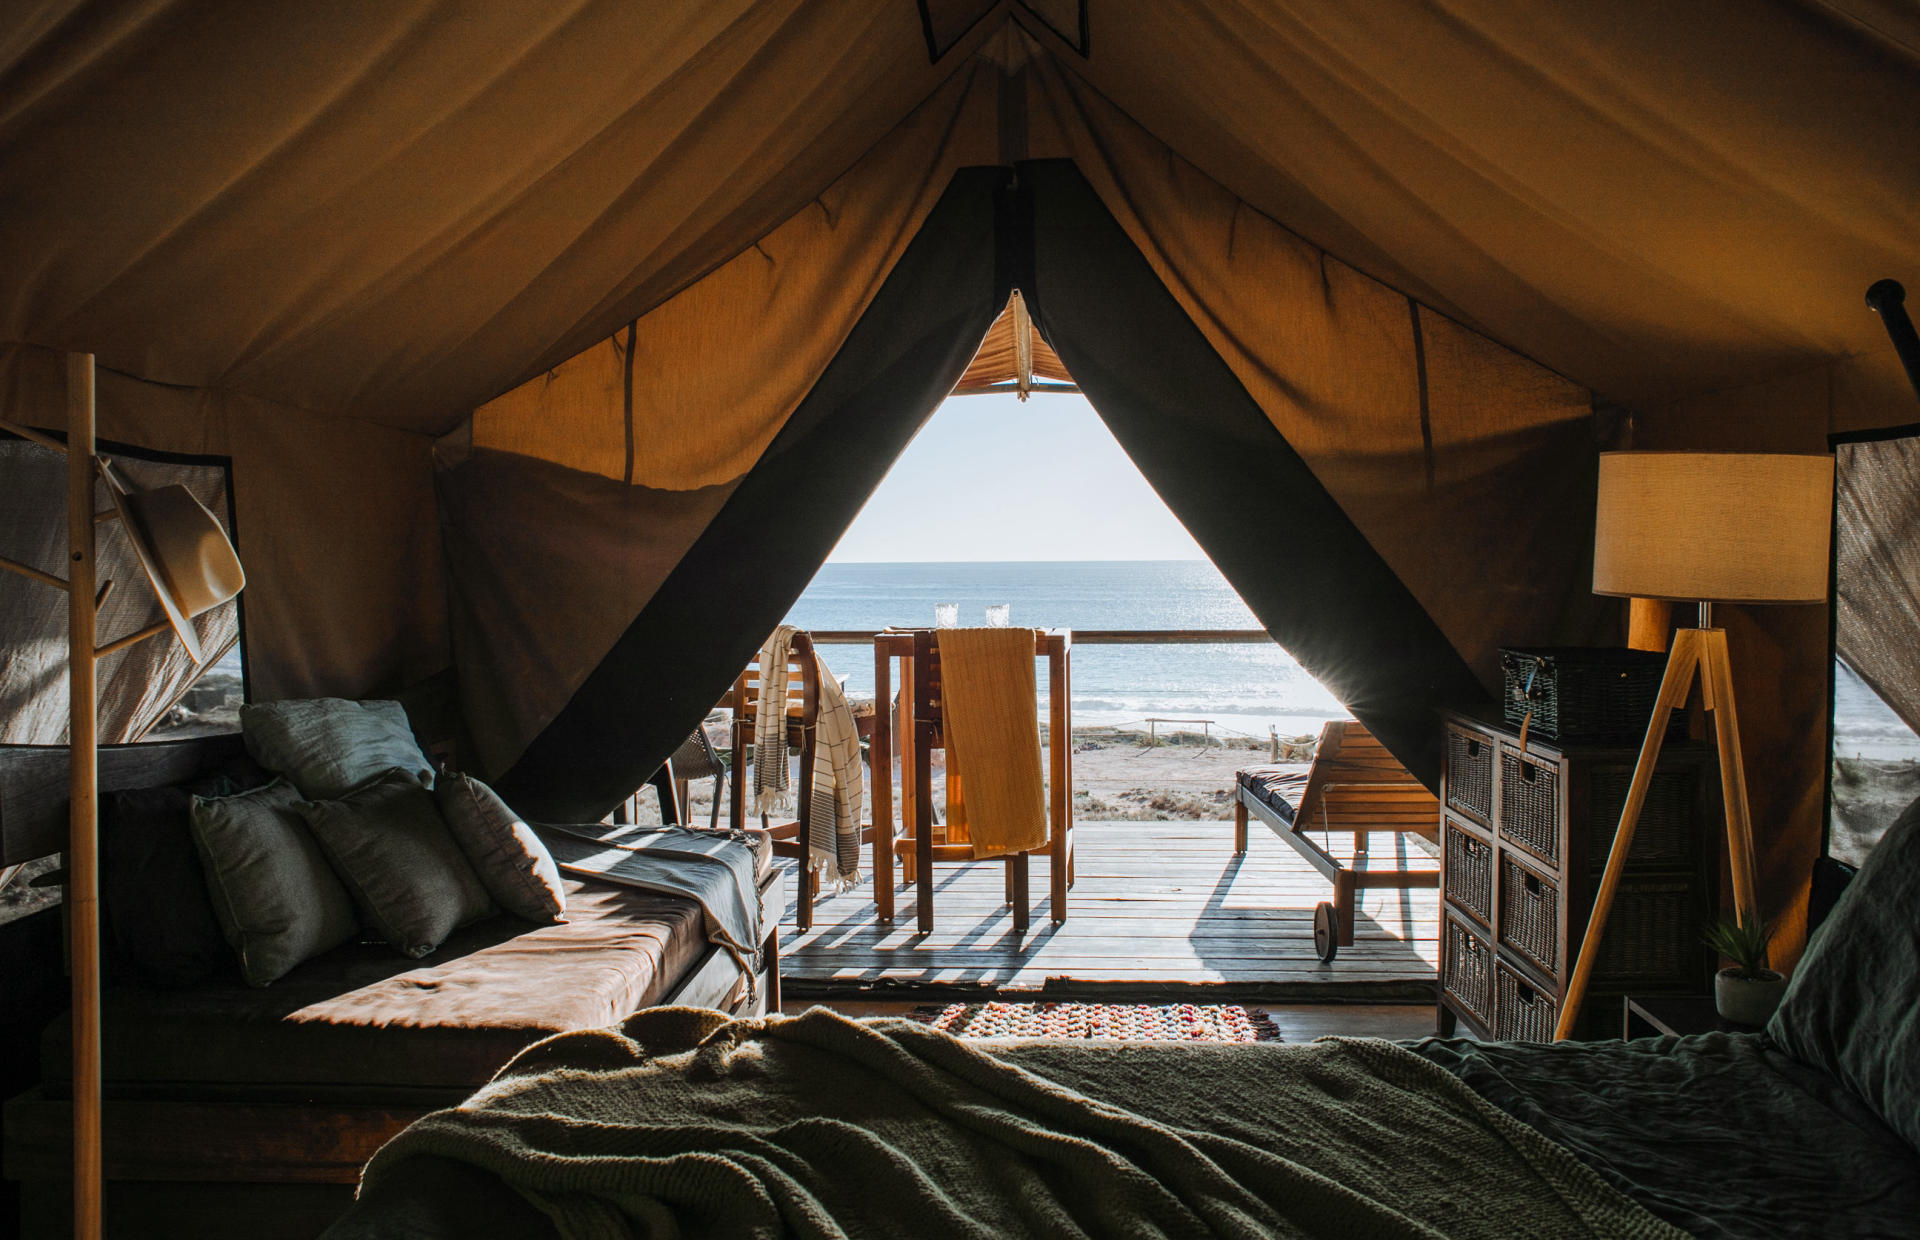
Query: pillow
point(409, 879)
point(273, 893)
point(157, 916)
point(329, 746)
point(515, 866)
point(1853, 1007)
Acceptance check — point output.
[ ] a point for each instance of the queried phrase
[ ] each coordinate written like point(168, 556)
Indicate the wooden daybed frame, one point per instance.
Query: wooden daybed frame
point(179, 1164)
point(1353, 785)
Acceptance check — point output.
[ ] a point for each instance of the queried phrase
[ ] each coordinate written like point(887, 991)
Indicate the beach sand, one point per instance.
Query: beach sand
point(1118, 776)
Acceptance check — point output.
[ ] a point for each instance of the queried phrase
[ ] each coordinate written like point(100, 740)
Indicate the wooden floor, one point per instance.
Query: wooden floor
point(1155, 905)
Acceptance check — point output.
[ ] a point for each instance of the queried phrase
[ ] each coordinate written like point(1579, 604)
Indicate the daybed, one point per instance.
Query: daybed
point(685, 1124)
point(229, 1105)
point(1354, 785)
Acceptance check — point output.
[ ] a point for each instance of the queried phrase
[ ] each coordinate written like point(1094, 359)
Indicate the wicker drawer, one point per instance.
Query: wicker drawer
point(1663, 836)
point(1530, 805)
point(1522, 1011)
point(1470, 774)
point(1466, 968)
point(1468, 861)
point(1530, 914)
point(1652, 936)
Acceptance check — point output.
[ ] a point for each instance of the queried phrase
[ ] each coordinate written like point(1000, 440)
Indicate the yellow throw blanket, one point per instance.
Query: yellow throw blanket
point(993, 736)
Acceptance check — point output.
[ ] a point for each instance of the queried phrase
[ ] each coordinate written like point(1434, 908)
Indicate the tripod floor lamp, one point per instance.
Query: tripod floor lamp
point(191, 565)
point(1706, 528)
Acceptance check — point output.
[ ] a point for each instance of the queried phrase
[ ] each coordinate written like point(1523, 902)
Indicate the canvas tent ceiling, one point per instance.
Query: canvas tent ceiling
point(375, 219)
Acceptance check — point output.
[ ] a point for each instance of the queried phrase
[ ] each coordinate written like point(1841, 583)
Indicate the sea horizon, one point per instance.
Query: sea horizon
point(1242, 689)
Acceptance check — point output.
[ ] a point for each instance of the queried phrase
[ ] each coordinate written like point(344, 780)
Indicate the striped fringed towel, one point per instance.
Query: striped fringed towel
point(770, 726)
point(833, 829)
point(839, 790)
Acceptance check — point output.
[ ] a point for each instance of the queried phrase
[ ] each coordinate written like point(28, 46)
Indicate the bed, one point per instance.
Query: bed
point(227, 1103)
point(682, 1124)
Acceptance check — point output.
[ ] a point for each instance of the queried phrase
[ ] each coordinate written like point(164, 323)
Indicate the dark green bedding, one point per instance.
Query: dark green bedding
point(821, 1126)
point(1720, 1134)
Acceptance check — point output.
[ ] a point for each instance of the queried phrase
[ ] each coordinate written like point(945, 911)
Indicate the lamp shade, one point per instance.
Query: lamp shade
point(1717, 527)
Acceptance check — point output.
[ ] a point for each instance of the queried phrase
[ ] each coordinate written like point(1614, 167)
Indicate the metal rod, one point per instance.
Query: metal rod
point(1706, 615)
point(27, 570)
point(1888, 298)
point(83, 844)
point(1095, 637)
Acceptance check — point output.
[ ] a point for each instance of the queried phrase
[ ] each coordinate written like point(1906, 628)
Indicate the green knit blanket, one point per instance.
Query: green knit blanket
point(683, 1123)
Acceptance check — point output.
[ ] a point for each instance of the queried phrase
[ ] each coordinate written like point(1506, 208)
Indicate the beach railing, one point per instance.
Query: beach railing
point(1093, 637)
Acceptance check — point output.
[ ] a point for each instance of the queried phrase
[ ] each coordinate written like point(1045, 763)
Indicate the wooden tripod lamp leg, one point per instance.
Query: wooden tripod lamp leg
point(1717, 669)
point(1681, 665)
point(83, 858)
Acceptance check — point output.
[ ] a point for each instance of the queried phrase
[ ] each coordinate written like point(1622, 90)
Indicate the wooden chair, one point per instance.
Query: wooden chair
point(803, 716)
point(1353, 785)
point(921, 730)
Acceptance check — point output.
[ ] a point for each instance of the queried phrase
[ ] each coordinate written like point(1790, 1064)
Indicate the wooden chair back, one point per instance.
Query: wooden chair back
point(803, 715)
point(1356, 785)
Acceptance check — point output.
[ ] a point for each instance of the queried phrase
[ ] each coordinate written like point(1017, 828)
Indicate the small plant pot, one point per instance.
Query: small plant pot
point(1748, 1000)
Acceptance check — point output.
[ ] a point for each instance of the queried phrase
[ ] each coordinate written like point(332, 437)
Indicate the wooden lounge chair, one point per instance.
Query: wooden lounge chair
point(1353, 785)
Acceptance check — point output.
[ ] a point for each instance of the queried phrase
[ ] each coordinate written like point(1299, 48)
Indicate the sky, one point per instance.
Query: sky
point(990, 478)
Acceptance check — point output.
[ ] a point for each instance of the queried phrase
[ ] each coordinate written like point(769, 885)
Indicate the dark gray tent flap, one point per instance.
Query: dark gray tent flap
point(1219, 464)
point(709, 615)
point(1175, 407)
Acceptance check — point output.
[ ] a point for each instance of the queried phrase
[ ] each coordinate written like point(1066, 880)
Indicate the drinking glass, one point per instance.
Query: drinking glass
point(999, 615)
point(946, 615)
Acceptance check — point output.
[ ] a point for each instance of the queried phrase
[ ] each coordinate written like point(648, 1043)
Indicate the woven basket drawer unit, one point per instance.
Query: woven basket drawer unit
point(1469, 866)
point(1530, 914)
point(1466, 968)
point(1522, 1011)
point(1470, 774)
point(1530, 805)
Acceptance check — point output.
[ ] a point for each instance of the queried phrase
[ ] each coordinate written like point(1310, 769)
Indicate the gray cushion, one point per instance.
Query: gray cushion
point(409, 879)
point(1853, 1007)
point(330, 746)
point(277, 900)
point(515, 866)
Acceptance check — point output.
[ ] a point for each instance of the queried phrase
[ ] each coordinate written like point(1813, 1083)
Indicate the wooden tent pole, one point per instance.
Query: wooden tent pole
point(83, 861)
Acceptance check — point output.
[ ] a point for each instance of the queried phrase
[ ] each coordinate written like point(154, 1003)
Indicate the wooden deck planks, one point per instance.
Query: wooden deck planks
point(1153, 903)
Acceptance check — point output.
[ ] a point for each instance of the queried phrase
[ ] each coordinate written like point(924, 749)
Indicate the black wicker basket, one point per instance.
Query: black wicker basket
point(1584, 694)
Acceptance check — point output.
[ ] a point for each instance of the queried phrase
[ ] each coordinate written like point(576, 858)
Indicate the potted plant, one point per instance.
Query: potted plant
point(1747, 992)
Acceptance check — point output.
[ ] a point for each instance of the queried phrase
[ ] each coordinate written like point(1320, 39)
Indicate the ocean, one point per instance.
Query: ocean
point(1243, 689)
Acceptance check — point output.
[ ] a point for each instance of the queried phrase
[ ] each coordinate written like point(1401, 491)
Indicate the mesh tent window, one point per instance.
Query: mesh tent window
point(1873, 771)
point(151, 690)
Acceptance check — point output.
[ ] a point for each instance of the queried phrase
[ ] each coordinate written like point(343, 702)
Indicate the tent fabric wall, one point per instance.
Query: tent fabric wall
point(690, 394)
point(137, 685)
point(547, 567)
point(752, 561)
point(338, 531)
point(400, 210)
point(1654, 200)
point(1468, 467)
point(675, 407)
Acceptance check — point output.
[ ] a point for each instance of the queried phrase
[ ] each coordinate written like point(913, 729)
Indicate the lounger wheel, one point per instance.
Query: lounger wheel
point(1326, 932)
